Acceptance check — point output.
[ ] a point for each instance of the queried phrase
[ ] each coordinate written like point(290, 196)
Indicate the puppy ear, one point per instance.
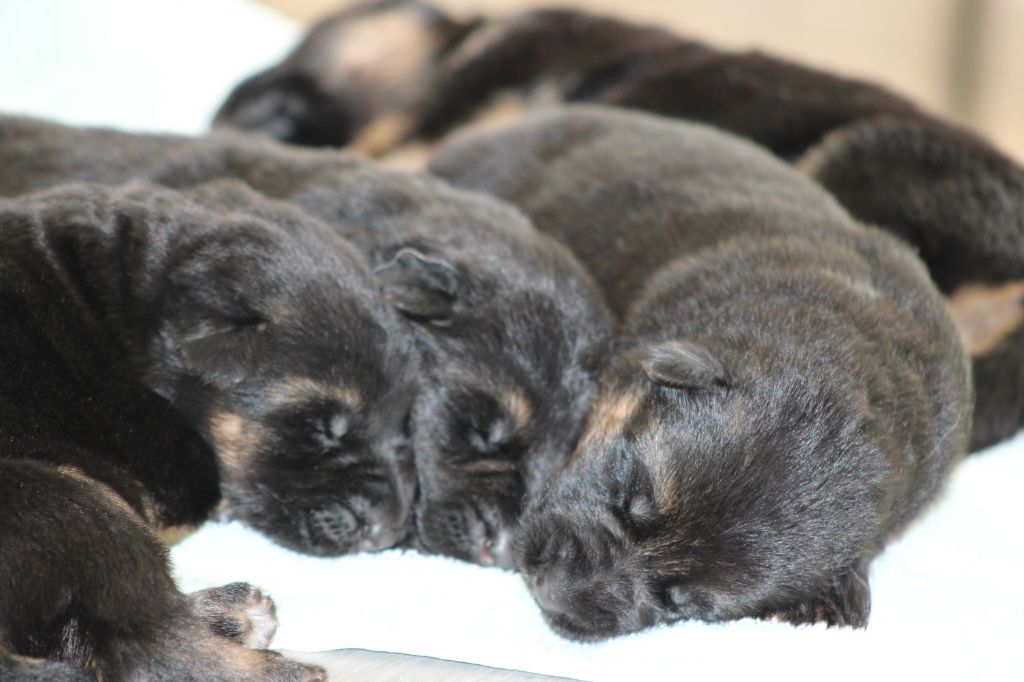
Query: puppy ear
point(846, 601)
point(683, 364)
point(419, 285)
point(223, 354)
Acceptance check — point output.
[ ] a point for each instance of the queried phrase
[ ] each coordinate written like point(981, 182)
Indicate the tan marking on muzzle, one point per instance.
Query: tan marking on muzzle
point(608, 417)
point(234, 438)
point(652, 449)
point(985, 315)
point(517, 406)
point(299, 389)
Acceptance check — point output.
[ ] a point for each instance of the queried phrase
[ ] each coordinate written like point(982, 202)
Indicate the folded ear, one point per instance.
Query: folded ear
point(420, 286)
point(683, 364)
point(846, 601)
point(223, 354)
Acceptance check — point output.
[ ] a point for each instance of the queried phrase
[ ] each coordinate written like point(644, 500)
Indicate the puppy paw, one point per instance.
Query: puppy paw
point(845, 602)
point(281, 669)
point(239, 611)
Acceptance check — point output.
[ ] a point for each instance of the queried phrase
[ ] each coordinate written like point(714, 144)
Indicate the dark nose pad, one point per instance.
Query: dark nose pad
point(379, 534)
point(547, 595)
point(495, 549)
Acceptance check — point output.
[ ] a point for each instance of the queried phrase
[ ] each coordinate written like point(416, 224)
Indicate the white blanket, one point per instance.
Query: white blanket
point(948, 597)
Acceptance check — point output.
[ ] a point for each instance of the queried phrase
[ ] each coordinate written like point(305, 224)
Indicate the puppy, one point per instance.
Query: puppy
point(267, 332)
point(510, 328)
point(403, 71)
point(787, 391)
point(134, 319)
point(878, 153)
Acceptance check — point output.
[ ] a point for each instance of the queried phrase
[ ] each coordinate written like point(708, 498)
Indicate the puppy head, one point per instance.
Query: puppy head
point(289, 106)
point(275, 339)
point(368, 61)
point(699, 491)
point(514, 364)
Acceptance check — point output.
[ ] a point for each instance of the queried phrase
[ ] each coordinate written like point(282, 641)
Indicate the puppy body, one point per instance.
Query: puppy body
point(510, 327)
point(889, 163)
point(787, 390)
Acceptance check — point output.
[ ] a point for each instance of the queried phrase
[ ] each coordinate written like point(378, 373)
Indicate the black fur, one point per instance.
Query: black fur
point(961, 203)
point(891, 164)
point(267, 332)
point(510, 326)
point(106, 292)
point(787, 392)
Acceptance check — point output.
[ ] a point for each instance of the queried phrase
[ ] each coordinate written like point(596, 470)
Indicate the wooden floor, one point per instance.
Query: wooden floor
point(961, 58)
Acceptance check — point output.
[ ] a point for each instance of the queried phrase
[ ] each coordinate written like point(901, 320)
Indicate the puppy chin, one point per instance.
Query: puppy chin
point(581, 628)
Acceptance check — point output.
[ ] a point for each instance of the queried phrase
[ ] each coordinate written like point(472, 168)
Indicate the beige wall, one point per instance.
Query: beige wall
point(909, 45)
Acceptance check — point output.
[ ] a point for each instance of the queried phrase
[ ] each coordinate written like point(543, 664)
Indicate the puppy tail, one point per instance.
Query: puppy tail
point(960, 203)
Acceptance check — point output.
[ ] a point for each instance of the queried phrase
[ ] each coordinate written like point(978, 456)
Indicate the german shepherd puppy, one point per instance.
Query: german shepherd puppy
point(511, 329)
point(787, 392)
point(957, 200)
point(136, 319)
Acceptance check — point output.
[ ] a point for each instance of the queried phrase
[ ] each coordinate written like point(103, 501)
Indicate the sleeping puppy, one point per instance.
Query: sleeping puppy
point(510, 328)
point(879, 154)
point(267, 332)
point(787, 390)
point(394, 72)
point(133, 318)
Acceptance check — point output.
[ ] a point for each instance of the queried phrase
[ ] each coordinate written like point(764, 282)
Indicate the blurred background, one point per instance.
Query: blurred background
point(961, 58)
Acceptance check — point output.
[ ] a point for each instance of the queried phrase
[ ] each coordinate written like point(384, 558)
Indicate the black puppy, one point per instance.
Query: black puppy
point(445, 71)
point(274, 342)
point(510, 326)
point(131, 318)
point(787, 392)
point(946, 191)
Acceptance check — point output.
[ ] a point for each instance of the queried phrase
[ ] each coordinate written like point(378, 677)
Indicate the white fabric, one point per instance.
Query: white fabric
point(948, 598)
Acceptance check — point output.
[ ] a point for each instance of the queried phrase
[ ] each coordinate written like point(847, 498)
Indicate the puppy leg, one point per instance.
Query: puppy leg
point(87, 584)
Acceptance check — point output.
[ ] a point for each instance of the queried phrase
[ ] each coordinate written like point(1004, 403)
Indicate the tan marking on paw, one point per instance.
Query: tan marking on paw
point(985, 315)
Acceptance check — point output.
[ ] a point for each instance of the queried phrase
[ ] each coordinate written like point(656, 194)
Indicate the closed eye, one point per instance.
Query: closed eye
point(331, 430)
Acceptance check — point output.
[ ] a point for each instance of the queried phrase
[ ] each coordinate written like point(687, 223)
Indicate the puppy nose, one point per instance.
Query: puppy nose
point(379, 535)
point(496, 549)
point(546, 595)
